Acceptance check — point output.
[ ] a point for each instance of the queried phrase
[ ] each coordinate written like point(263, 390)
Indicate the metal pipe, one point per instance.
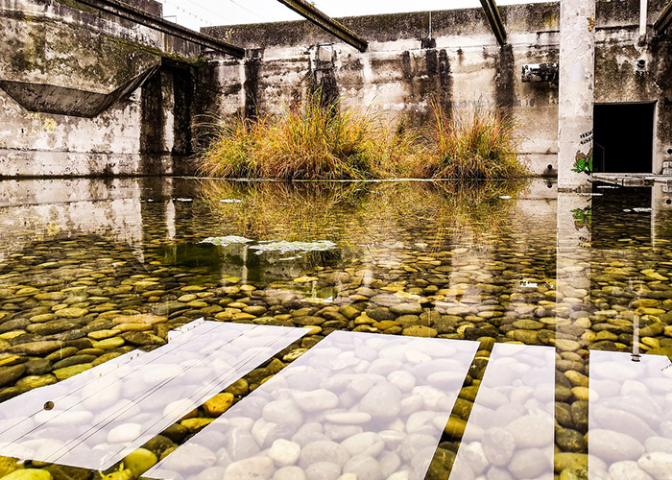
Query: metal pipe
point(495, 20)
point(327, 23)
point(430, 25)
point(664, 20)
point(127, 12)
point(643, 12)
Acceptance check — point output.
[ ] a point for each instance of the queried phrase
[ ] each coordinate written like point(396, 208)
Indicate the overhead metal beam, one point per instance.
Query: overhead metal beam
point(664, 21)
point(127, 12)
point(495, 19)
point(324, 21)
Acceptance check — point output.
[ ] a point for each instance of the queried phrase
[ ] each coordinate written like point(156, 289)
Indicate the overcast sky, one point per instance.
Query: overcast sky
point(198, 13)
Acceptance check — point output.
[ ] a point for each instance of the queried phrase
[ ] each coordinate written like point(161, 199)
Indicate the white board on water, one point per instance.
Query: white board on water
point(102, 414)
point(629, 419)
point(369, 404)
point(511, 431)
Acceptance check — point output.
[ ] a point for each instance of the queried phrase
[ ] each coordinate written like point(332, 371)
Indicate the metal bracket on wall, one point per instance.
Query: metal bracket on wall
point(540, 72)
point(327, 23)
point(495, 19)
point(322, 57)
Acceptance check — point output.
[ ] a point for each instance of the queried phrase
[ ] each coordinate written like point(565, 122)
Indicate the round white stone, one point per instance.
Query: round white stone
point(282, 412)
point(628, 471)
point(316, 400)
point(401, 379)
point(284, 453)
point(657, 464)
point(125, 432)
point(254, 468)
point(348, 418)
point(366, 443)
point(289, 473)
point(323, 471)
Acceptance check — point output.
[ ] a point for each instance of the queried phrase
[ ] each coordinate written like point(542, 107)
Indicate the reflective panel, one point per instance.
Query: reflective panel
point(372, 406)
point(95, 418)
point(510, 431)
point(630, 418)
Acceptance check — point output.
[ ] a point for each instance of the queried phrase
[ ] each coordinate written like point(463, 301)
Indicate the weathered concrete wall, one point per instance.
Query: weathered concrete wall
point(618, 77)
point(576, 92)
point(70, 96)
point(83, 93)
point(462, 65)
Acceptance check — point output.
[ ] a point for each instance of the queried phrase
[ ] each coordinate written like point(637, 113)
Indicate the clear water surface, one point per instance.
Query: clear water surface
point(189, 328)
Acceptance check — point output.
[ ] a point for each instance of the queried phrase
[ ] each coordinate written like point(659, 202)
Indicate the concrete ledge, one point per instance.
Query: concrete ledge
point(626, 179)
point(17, 163)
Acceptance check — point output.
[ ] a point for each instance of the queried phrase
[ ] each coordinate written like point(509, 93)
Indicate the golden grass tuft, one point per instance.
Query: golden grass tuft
point(480, 146)
point(311, 142)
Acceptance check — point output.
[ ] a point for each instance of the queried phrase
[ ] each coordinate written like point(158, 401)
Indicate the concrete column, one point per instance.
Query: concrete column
point(575, 111)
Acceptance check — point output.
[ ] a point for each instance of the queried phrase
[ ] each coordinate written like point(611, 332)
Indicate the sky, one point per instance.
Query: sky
point(203, 13)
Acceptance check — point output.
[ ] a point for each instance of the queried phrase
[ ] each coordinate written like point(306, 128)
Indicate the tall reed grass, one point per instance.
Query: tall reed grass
point(313, 141)
point(480, 146)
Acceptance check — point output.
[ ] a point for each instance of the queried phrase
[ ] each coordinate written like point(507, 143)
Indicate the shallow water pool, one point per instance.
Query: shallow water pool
point(389, 330)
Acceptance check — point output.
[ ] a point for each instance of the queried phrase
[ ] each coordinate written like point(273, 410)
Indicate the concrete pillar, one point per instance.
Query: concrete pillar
point(575, 111)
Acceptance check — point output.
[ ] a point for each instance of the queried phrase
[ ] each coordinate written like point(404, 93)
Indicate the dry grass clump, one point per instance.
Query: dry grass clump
point(232, 152)
point(312, 141)
point(305, 142)
point(316, 142)
point(481, 146)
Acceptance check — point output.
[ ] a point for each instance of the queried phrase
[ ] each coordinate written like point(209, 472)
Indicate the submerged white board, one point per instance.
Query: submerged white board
point(366, 404)
point(94, 419)
point(511, 431)
point(629, 420)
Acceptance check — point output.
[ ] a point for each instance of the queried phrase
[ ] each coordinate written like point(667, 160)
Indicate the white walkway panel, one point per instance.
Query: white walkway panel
point(365, 404)
point(629, 415)
point(94, 419)
point(510, 432)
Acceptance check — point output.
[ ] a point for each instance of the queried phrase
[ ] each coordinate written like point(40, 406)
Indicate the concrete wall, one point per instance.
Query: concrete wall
point(618, 79)
point(462, 65)
point(85, 93)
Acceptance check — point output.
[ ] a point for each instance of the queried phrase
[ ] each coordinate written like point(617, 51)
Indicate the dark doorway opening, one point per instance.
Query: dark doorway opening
point(623, 138)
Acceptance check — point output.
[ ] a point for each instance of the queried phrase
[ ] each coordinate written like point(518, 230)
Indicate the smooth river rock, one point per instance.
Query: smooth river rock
point(613, 446)
point(382, 402)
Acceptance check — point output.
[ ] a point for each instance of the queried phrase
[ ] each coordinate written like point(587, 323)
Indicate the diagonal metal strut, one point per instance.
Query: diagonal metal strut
point(495, 19)
point(664, 21)
point(327, 23)
point(127, 12)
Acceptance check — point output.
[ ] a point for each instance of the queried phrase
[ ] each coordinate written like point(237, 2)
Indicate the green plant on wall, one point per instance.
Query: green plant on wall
point(583, 163)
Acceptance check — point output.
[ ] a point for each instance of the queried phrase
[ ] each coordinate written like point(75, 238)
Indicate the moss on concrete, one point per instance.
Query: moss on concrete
point(78, 6)
point(129, 46)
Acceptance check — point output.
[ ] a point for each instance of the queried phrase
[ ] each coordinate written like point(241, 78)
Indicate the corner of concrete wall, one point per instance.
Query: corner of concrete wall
point(78, 92)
